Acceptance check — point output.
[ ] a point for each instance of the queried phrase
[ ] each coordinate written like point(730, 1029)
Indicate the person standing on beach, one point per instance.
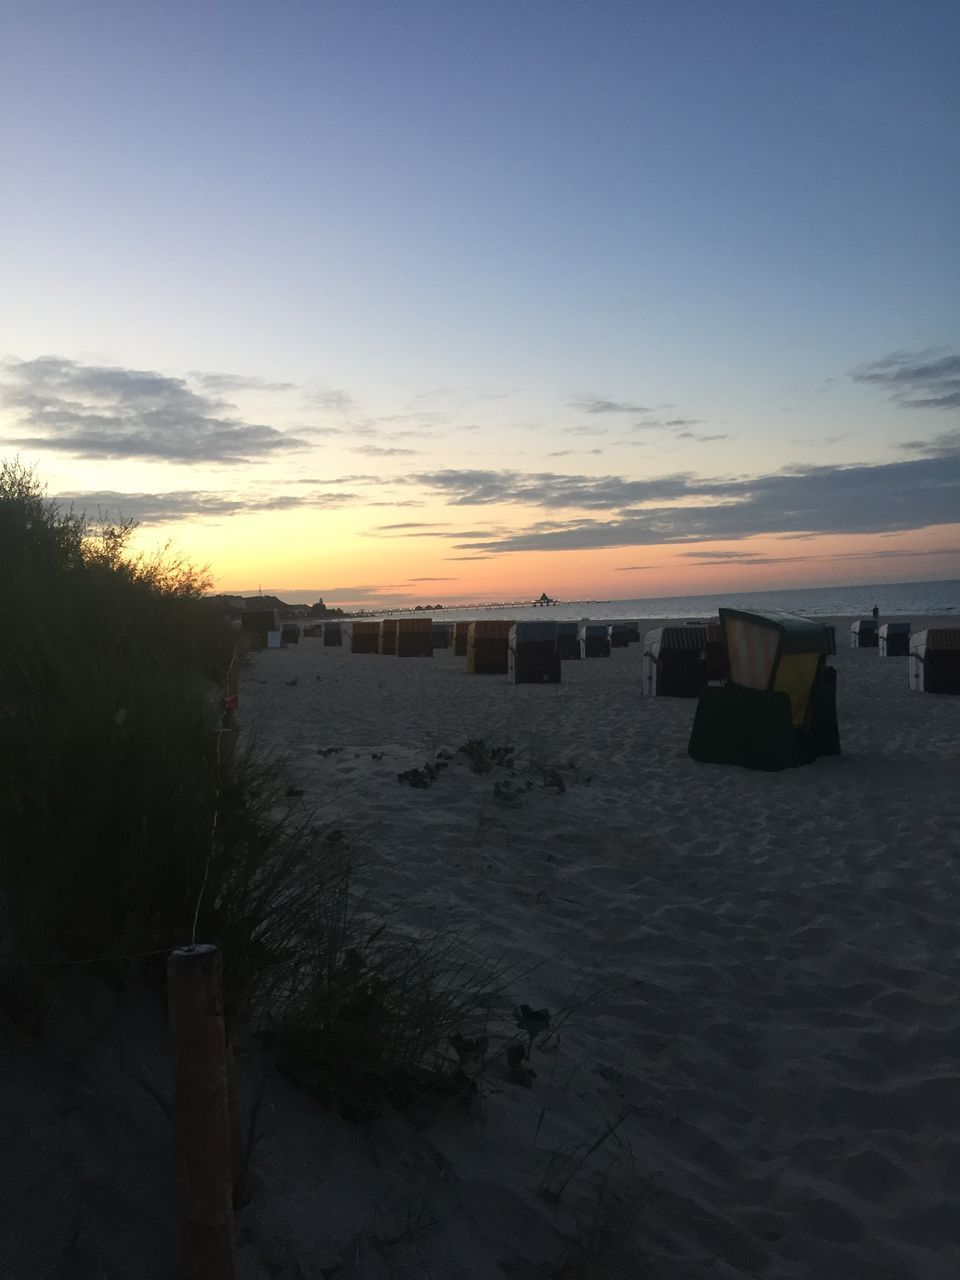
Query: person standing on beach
point(876, 612)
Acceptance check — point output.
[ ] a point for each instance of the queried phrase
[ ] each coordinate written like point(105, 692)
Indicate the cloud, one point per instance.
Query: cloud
point(454, 398)
point(700, 439)
point(548, 489)
point(96, 411)
point(574, 453)
point(407, 529)
point(596, 404)
point(718, 557)
point(888, 497)
point(421, 418)
point(192, 504)
point(436, 393)
point(664, 424)
point(322, 432)
point(333, 400)
point(823, 440)
point(384, 451)
point(228, 382)
point(433, 580)
point(585, 431)
point(632, 568)
point(758, 557)
point(411, 433)
point(945, 445)
point(412, 524)
point(920, 380)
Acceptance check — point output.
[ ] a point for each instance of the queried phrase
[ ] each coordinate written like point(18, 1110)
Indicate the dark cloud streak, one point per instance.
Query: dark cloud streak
point(189, 504)
point(101, 412)
point(916, 380)
point(881, 498)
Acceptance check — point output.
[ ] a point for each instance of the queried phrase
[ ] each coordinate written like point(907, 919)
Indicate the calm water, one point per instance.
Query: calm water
point(896, 599)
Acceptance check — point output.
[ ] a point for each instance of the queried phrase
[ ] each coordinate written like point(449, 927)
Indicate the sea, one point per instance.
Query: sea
point(894, 600)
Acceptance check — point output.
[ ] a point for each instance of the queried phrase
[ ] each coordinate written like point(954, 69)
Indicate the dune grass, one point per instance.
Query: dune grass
point(120, 838)
point(112, 668)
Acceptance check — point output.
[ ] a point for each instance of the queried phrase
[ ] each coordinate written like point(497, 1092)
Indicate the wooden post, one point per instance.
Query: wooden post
point(240, 1173)
point(201, 1125)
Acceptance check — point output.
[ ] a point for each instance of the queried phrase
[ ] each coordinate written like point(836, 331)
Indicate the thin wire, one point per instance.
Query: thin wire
point(213, 832)
point(136, 955)
point(216, 809)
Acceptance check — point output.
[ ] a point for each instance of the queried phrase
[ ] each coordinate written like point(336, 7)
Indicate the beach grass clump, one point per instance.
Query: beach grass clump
point(382, 1016)
point(122, 839)
point(112, 665)
point(123, 835)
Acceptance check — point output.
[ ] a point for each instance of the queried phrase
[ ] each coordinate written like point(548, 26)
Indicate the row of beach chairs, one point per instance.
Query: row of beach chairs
point(526, 652)
point(933, 654)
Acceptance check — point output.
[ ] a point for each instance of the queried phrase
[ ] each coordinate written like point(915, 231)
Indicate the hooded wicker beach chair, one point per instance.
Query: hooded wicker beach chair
point(674, 662)
point(387, 639)
point(864, 634)
point(365, 637)
point(568, 640)
point(778, 707)
point(895, 640)
point(442, 634)
point(414, 637)
point(487, 647)
point(935, 660)
point(594, 640)
point(532, 656)
point(460, 630)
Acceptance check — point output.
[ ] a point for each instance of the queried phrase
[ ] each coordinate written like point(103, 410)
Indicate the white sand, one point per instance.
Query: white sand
point(780, 1027)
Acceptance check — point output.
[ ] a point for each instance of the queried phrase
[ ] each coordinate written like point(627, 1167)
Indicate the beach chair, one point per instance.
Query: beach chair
point(532, 656)
point(460, 630)
point(935, 660)
point(488, 647)
point(260, 621)
point(365, 637)
point(674, 662)
point(778, 708)
point(594, 640)
point(864, 634)
point(388, 636)
point(414, 637)
point(289, 634)
point(894, 640)
point(261, 628)
point(568, 640)
point(442, 632)
point(333, 635)
point(619, 635)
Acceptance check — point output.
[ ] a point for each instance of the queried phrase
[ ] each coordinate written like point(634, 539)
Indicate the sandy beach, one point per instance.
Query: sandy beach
point(760, 969)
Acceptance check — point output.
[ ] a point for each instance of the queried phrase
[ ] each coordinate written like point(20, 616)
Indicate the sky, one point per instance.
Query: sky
point(403, 301)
